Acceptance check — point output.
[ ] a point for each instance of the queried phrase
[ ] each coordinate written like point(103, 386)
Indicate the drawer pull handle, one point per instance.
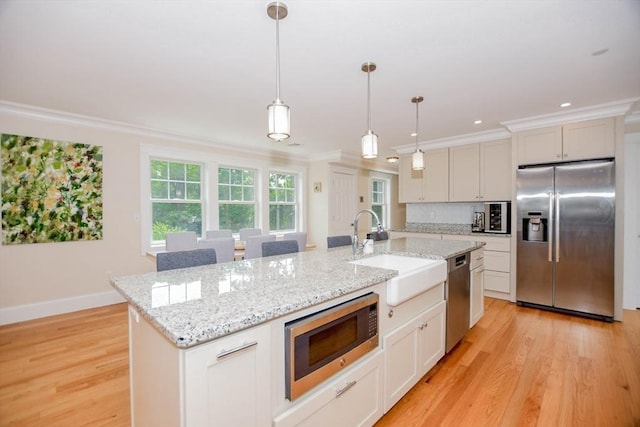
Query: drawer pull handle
point(344, 389)
point(423, 325)
point(227, 353)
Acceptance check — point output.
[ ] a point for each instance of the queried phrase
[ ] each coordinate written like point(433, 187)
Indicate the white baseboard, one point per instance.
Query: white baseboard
point(21, 313)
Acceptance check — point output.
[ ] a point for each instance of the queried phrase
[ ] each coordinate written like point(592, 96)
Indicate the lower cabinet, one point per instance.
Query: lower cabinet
point(411, 350)
point(226, 382)
point(352, 399)
point(476, 305)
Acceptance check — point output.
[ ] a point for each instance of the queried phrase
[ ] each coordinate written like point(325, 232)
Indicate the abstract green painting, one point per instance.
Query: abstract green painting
point(51, 190)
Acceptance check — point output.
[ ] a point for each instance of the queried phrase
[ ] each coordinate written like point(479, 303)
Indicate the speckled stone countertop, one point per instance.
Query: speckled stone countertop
point(438, 228)
point(194, 305)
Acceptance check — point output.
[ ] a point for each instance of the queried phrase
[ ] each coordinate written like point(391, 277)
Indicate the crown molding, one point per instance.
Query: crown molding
point(62, 117)
point(469, 138)
point(617, 108)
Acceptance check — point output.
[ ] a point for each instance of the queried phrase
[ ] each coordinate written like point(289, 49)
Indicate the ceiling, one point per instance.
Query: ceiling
point(205, 70)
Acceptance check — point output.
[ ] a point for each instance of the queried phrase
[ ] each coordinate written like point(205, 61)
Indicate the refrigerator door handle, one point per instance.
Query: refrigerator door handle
point(557, 229)
point(551, 228)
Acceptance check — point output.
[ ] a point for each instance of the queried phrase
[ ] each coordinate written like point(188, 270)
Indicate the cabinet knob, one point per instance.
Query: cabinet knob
point(565, 155)
point(558, 156)
point(423, 325)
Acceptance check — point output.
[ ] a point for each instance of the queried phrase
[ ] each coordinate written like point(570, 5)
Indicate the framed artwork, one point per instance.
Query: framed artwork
point(51, 190)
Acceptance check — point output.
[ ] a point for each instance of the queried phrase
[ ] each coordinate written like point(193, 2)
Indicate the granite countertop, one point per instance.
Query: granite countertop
point(194, 305)
point(439, 228)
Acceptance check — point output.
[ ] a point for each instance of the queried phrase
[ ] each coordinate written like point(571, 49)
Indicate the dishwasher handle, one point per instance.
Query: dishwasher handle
point(458, 262)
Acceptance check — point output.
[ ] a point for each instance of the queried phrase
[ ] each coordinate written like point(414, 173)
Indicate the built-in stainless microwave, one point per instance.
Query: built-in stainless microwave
point(497, 217)
point(319, 345)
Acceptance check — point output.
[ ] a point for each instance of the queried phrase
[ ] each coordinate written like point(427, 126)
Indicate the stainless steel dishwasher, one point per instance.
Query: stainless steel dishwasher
point(457, 294)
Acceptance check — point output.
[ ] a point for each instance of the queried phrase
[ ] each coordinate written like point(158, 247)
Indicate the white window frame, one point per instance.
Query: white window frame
point(257, 199)
point(296, 204)
point(386, 205)
point(211, 160)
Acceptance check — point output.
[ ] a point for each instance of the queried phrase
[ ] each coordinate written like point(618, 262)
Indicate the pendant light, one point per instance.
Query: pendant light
point(278, 111)
point(369, 139)
point(417, 158)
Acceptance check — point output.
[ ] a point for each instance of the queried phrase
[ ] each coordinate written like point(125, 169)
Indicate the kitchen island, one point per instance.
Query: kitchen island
point(179, 320)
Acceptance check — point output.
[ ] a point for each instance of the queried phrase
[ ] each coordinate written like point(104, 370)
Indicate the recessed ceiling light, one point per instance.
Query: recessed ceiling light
point(477, 122)
point(565, 104)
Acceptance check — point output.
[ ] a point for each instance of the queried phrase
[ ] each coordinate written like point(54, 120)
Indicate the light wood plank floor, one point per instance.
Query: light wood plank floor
point(516, 367)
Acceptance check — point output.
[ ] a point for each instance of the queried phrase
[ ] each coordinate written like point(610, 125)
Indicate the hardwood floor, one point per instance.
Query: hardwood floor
point(516, 367)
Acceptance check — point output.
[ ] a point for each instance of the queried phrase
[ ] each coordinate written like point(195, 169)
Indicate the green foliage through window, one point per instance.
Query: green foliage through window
point(282, 201)
point(236, 199)
point(176, 197)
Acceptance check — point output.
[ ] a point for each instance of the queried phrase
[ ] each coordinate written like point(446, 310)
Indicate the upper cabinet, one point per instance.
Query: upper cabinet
point(428, 185)
point(591, 139)
point(480, 172)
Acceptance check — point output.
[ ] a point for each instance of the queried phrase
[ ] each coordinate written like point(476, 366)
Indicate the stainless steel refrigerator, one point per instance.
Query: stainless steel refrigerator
point(565, 238)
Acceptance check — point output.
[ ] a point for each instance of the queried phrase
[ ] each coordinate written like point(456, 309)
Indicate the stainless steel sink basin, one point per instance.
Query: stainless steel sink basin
point(415, 275)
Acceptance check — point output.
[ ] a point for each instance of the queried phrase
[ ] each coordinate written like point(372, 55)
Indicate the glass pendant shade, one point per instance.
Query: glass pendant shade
point(417, 160)
point(369, 145)
point(279, 121)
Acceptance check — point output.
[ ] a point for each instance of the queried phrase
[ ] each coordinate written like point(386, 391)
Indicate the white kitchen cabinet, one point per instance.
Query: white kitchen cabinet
point(411, 350)
point(495, 170)
point(590, 139)
point(399, 234)
point(352, 399)
point(428, 185)
point(223, 382)
point(227, 381)
point(476, 306)
point(464, 173)
point(480, 172)
point(497, 263)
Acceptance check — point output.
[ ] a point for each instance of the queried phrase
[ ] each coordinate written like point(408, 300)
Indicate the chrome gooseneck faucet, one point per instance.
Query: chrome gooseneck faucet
point(356, 245)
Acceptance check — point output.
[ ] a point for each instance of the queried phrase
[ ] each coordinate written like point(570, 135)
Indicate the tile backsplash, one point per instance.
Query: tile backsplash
point(442, 213)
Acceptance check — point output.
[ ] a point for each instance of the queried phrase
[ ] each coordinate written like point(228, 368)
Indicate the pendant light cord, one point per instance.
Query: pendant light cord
point(369, 100)
point(417, 119)
point(278, 51)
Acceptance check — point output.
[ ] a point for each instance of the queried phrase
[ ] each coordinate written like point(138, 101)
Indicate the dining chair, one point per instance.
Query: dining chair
point(336, 241)
point(253, 245)
point(279, 247)
point(224, 246)
point(378, 235)
point(181, 241)
point(300, 237)
point(248, 232)
point(184, 259)
point(216, 234)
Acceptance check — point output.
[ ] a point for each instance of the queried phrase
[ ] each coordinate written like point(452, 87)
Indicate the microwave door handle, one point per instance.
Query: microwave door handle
point(550, 227)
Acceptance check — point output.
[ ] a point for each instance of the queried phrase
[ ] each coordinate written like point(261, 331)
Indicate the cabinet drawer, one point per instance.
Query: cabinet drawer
point(477, 259)
point(353, 399)
point(501, 244)
point(497, 261)
point(496, 281)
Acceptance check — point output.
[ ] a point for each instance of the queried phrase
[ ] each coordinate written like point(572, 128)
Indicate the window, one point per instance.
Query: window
point(236, 199)
point(379, 204)
point(176, 197)
point(282, 202)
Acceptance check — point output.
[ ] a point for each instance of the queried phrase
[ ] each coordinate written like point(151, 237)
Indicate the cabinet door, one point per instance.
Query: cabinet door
point(495, 170)
point(436, 175)
point(400, 361)
point(477, 295)
point(353, 399)
point(464, 173)
point(431, 331)
point(540, 145)
point(227, 381)
point(410, 182)
point(590, 139)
